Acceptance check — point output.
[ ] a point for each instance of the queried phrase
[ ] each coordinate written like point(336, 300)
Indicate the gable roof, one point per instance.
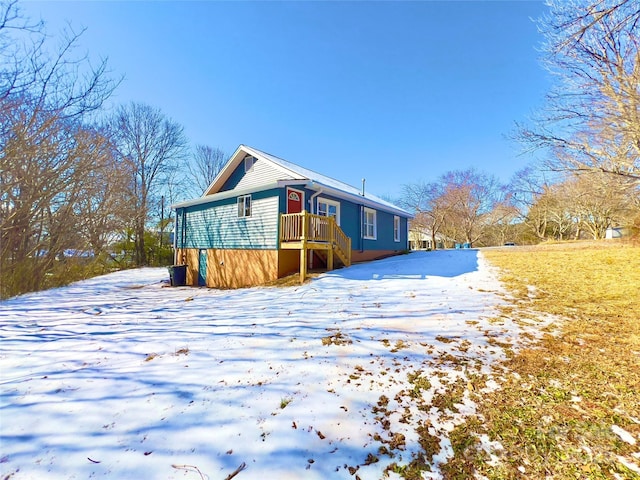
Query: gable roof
point(291, 173)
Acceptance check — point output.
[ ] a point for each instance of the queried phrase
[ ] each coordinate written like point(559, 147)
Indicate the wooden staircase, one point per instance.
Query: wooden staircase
point(305, 231)
point(320, 258)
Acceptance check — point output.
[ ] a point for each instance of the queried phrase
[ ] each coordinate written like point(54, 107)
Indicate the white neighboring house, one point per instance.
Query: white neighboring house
point(613, 232)
point(421, 239)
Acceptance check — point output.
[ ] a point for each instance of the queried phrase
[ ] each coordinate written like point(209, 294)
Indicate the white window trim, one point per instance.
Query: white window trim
point(243, 199)
point(397, 224)
point(320, 200)
point(374, 223)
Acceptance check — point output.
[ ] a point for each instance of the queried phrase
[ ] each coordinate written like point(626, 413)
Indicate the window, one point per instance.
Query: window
point(396, 228)
point(370, 230)
point(329, 208)
point(248, 163)
point(244, 206)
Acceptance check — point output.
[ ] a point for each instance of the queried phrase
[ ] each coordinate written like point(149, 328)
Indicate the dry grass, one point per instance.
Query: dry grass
point(337, 338)
point(292, 280)
point(555, 412)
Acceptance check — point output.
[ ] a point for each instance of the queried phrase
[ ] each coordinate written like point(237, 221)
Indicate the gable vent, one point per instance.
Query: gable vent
point(248, 163)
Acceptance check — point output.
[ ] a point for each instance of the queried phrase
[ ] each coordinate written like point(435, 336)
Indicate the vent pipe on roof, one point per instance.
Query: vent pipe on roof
point(363, 182)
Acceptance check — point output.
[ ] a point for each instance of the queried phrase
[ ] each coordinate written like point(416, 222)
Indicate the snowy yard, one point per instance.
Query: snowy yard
point(123, 377)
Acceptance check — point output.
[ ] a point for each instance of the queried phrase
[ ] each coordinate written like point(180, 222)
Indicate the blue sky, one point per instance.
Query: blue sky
point(394, 92)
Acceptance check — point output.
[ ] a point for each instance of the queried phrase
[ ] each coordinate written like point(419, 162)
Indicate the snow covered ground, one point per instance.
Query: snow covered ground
point(122, 376)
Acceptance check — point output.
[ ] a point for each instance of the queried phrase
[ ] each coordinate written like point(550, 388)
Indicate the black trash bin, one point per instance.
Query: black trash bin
point(178, 275)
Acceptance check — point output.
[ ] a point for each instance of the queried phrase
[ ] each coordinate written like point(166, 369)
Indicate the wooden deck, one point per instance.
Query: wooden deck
point(305, 231)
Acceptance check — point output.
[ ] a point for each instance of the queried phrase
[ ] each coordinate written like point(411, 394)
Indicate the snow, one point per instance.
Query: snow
point(631, 466)
point(623, 434)
point(122, 376)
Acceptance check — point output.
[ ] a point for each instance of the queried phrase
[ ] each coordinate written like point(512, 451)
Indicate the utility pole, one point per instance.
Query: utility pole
point(161, 221)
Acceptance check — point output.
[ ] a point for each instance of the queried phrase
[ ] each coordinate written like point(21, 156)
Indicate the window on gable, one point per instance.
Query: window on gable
point(396, 228)
point(329, 208)
point(370, 221)
point(244, 206)
point(248, 163)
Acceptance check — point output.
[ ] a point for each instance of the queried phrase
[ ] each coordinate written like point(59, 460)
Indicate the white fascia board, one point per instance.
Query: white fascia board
point(326, 189)
point(227, 170)
point(235, 159)
point(335, 192)
point(299, 182)
point(224, 195)
point(234, 162)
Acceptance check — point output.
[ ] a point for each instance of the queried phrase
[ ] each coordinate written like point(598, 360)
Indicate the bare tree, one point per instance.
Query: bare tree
point(561, 217)
point(15, 76)
point(50, 172)
point(461, 205)
point(102, 208)
point(204, 166)
point(527, 186)
point(576, 206)
point(500, 224)
point(47, 148)
point(469, 197)
point(591, 122)
point(537, 217)
point(63, 83)
point(425, 199)
point(599, 202)
point(151, 145)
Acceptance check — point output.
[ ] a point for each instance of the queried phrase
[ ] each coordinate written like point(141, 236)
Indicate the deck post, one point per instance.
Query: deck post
point(332, 241)
point(303, 264)
point(303, 249)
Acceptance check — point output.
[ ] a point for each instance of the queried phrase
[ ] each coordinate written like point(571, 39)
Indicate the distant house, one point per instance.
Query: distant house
point(421, 239)
point(263, 218)
point(616, 232)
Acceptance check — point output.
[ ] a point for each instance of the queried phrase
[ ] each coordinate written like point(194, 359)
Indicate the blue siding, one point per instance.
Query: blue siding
point(351, 224)
point(282, 204)
point(216, 224)
point(385, 239)
point(234, 178)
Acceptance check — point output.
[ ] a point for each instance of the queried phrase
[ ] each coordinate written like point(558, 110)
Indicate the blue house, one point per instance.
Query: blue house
point(263, 218)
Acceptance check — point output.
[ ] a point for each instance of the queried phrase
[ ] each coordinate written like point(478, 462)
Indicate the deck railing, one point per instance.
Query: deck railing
point(342, 245)
point(290, 227)
point(296, 227)
point(308, 228)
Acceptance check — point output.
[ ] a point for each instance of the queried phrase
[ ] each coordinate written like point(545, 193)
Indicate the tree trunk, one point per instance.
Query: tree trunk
point(141, 257)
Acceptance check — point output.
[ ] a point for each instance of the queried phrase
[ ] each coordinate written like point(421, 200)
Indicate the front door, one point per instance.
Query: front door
point(202, 268)
point(295, 200)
